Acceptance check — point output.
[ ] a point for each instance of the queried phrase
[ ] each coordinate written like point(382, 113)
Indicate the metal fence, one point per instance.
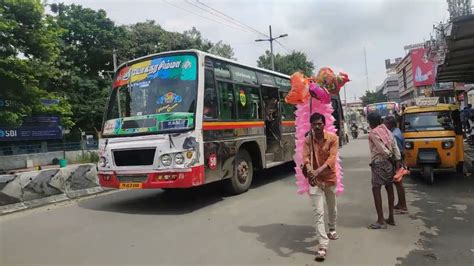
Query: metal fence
point(16, 149)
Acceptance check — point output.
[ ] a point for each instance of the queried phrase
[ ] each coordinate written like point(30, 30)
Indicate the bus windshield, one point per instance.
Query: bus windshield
point(153, 96)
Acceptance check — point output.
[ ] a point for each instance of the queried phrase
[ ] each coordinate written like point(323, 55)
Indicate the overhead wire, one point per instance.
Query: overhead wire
point(186, 10)
point(220, 17)
point(284, 47)
point(233, 19)
point(228, 18)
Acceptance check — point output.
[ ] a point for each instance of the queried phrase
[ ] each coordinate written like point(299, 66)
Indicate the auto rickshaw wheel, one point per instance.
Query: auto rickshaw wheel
point(460, 168)
point(428, 174)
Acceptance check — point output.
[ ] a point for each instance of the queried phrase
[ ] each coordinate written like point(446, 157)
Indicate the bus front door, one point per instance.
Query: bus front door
point(272, 123)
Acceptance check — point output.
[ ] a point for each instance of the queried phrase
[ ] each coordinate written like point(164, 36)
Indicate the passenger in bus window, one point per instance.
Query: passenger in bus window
point(271, 109)
point(209, 110)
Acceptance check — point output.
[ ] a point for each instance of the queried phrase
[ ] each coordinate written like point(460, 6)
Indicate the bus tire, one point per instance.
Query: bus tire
point(243, 173)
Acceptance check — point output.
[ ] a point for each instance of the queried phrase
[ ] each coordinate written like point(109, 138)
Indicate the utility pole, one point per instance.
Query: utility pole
point(366, 71)
point(114, 58)
point(345, 96)
point(271, 44)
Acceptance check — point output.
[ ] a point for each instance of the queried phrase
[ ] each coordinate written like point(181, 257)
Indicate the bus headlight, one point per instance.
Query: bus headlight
point(166, 160)
point(102, 162)
point(447, 144)
point(179, 158)
point(408, 145)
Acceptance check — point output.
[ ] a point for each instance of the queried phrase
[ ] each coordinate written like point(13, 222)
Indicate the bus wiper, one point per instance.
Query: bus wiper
point(171, 141)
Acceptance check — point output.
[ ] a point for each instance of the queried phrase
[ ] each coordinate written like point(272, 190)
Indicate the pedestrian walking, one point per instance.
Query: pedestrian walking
point(319, 155)
point(465, 116)
point(385, 158)
point(391, 124)
point(397, 117)
point(471, 130)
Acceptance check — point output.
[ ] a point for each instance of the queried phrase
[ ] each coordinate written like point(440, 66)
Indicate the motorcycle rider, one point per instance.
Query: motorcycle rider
point(354, 130)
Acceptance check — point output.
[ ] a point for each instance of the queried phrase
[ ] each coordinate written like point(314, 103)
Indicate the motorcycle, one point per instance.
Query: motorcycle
point(354, 132)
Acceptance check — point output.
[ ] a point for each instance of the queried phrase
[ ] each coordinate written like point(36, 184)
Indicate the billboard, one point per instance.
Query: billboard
point(42, 127)
point(423, 69)
point(30, 133)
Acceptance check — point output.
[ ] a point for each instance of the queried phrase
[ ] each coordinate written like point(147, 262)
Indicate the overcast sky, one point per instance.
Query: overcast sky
point(332, 33)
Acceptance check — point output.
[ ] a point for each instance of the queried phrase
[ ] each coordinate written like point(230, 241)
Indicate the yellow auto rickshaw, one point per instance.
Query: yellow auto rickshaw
point(433, 139)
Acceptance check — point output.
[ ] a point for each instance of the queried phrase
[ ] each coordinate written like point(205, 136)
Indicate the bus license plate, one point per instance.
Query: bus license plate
point(130, 185)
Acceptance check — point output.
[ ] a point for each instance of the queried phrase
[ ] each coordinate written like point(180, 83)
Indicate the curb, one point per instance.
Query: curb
point(70, 195)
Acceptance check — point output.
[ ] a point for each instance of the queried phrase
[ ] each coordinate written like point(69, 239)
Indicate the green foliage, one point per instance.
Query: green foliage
point(88, 157)
point(68, 56)
point(87, 41)
point(372, 97)
point(26, 30)
point(287, 64)
point(145, 38)
point(28, 50)
point(222, 49)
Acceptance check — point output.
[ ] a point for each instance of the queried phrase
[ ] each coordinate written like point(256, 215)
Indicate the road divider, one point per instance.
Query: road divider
point(36, 188)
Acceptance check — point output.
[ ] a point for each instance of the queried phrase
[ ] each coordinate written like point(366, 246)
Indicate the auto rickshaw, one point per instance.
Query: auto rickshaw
point(433, 139)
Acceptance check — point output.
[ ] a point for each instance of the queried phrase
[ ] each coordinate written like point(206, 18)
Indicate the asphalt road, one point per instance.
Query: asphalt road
point(270, 224)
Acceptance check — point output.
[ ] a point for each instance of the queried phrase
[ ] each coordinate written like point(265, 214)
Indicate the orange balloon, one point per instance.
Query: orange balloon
point(299, 92)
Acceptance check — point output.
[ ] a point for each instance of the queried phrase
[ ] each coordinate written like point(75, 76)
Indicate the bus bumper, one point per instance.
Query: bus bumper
point(169, 179)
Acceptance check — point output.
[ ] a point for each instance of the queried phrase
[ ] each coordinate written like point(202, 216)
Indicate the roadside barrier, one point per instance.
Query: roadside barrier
point(36, 188)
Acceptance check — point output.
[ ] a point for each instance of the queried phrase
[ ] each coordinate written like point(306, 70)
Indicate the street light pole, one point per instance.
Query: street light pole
point(271, 47)
point(271, 44)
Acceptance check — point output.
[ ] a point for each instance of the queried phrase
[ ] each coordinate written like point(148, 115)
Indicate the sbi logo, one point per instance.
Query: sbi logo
point(7, 133)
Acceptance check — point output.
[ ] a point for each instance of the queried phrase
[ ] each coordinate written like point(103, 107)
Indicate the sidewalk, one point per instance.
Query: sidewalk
point(468, 158)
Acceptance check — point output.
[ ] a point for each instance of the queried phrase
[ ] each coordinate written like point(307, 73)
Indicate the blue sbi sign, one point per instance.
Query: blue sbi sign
point(8, 133)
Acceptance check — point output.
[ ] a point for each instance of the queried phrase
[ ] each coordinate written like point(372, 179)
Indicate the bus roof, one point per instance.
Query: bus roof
point(381, 103)
point(438, 107)
point(203, 53)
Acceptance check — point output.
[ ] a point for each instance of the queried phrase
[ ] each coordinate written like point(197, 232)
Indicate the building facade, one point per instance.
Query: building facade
point(415, 76)
point(389, 87)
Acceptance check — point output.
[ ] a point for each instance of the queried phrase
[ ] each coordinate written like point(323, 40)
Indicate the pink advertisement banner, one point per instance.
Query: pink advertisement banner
point(423, 69)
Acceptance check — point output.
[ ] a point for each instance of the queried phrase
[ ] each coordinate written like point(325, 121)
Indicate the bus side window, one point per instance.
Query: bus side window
point(248, 102)
point(226, 100)
point(210, 96)
point(287, 110)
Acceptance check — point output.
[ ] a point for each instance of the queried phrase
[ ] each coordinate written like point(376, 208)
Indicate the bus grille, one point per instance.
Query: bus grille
point(134, 157)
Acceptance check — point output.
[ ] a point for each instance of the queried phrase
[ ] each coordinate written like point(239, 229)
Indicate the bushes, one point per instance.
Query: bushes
point(88, 157)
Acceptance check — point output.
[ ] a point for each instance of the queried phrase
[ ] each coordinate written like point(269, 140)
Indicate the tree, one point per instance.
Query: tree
point(222, 49)
point(287, 64)
point(144, 38)
point(87, 42)
point(28, 49)
point(372, 97)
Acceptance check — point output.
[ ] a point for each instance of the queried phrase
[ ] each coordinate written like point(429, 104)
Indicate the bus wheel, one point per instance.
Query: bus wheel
point(243, 173)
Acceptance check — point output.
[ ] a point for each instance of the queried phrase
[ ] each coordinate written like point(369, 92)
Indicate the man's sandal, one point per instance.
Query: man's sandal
point(333, 235)
point(320, 255)
point(376, 226)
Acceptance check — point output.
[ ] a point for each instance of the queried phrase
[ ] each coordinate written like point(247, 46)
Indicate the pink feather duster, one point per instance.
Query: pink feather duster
point(303, 114)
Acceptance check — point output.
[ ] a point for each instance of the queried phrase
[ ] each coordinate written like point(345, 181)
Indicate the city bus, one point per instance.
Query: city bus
point(383, 108)
point(186, 118)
